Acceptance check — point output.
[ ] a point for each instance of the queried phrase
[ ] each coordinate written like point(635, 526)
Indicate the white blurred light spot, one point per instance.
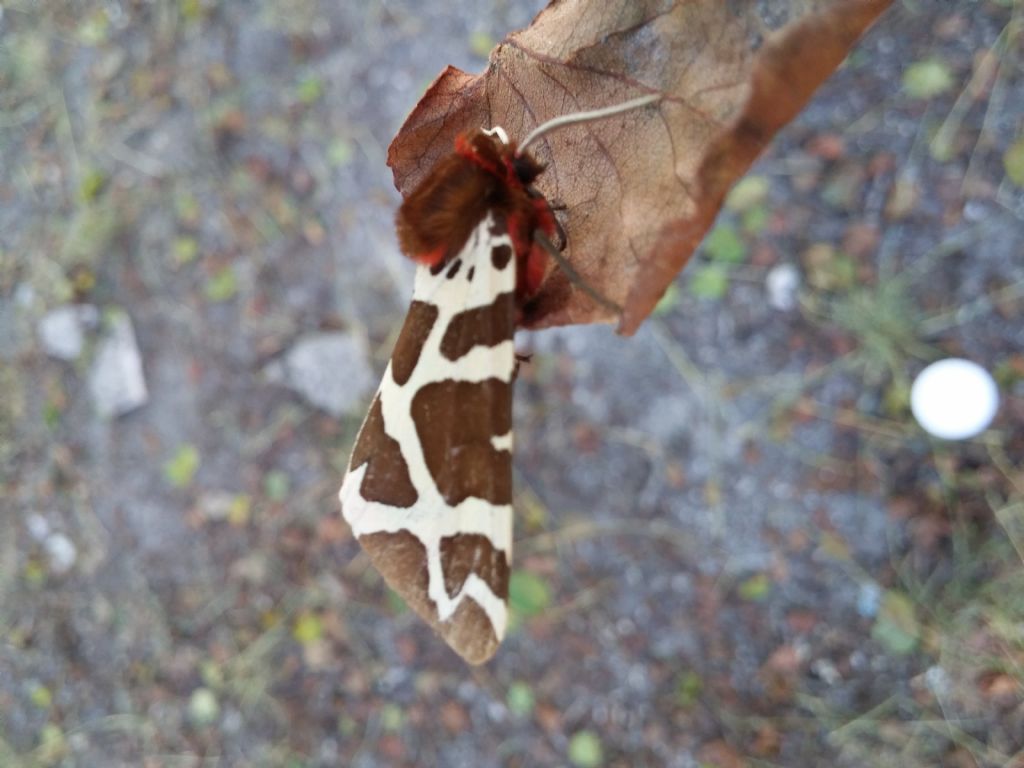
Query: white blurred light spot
point(954, 399)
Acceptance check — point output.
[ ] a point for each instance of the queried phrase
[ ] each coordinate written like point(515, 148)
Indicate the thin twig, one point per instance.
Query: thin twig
point(582, 117)
point(573, 275)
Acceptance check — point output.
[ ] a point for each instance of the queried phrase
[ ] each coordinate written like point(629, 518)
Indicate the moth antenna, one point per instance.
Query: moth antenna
point(583, 117)
point(572, 274)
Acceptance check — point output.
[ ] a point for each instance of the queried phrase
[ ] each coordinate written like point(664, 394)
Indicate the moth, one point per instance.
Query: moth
point(428, 491)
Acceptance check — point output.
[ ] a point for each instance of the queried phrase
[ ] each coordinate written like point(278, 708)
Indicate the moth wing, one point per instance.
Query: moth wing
point(428, 491)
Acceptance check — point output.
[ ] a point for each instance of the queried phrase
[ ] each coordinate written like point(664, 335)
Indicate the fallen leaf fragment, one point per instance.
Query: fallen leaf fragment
point(636, 193)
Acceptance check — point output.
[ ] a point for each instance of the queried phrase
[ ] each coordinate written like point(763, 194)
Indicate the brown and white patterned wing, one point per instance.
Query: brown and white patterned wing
point(428, 491)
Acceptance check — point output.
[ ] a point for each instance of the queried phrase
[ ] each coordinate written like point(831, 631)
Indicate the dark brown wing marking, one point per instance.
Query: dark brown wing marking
point(501, 255)
point(487, 326)
point(466, 553)
point(402, 560)
point(455, 422)
point(415, 330)
point(387, 475)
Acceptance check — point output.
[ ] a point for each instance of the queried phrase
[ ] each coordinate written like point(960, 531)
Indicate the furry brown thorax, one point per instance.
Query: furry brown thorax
point(482, 174)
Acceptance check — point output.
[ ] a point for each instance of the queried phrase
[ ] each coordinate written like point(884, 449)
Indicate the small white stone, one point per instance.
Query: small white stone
point(116, 380)
point(938, 681)
point(782, 284)
point(217, 505)
point(62, 330)
point(61, 334)
point(826, 671)
point(954, 399)
point(38, 526)
point(331, 370)
point(62, 553)
point(868, 598)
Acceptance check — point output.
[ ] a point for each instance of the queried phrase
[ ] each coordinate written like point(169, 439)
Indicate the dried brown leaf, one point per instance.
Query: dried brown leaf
point(636, 193)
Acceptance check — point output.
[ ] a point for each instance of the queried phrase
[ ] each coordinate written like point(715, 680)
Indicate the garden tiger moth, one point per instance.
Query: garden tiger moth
point(428, 492)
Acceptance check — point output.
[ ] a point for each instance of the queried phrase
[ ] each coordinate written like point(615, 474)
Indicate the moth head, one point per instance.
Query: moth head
point(523, 166)
point(491, 150)
point(526, 168)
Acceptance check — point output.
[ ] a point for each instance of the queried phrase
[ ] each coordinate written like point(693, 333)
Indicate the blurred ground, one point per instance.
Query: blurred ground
point(735, 546)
